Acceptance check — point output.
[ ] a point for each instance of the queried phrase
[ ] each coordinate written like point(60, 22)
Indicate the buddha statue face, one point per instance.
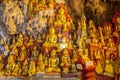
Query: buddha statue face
point(65, 52)
point(20, 35)
point(53, 53)
point(61, 11)
point(51, 30)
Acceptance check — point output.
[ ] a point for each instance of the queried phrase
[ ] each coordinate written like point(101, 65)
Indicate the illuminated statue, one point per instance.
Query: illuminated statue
point(32, 69)
point(53, 62)
point(65, 63)
point(51, 39)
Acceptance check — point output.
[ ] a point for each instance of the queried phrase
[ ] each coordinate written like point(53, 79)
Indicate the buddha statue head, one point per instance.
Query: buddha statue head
point(61, 11)
point(53, 53)
point(51, 30)
point(20, 35)
point(65, 52)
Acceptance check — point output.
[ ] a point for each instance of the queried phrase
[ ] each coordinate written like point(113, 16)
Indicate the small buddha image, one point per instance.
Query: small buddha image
point(10, 66)
point(53, 63)
point(65, 61)
point(107, 30)
point(51, 39)
point(73, 67)
point(35, 52)
point(32, 68)
point(99, 68)
point(40, 64)
point(24, 71)
point(20, 40)
point(63, 44)
point(109, 71)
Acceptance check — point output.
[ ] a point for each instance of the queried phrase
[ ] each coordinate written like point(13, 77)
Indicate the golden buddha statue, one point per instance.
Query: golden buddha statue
point(73, 67)
point(53, 63)
point(31, 41)
point(61, 14)
point(109, 71)
point(14, 51)
point(65, 63)
point(25, 68)
point(51, 39)
point(39, 40)
point(20, 40)
point(32, 68)
point(40, 64)
point(74, 56)
point(22, 54)
point(15, 70)
point(92, 29)
point(60, 18)
point(35, 52)
point(85, 55)
point(107, 30)
point(10, 66)
point(50, 21)
point(62, 45)
point(99, 68)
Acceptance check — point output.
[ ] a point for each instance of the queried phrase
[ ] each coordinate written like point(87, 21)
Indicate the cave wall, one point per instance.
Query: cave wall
point(77, 8)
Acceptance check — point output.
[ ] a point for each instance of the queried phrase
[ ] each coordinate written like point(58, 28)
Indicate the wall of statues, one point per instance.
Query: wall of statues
point(39, 37)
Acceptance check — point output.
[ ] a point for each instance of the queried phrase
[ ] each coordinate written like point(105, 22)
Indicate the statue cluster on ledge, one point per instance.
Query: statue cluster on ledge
point(50, 43)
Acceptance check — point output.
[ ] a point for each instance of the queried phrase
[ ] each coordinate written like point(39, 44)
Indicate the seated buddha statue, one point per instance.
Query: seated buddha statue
point(99, 68)
point(39, 40)
point(10, 66)
point(63, 44)
point(15, 70)
point(20, 40)
point(22, 54)
point(25, 68)
point(35, 52)
point(92, 29)
point(31, 41)
point(40, 64)
point(60, 18)
point(53, 63)
point(50, 21)
point(51, 39)
point(32, 69)
point(85, 56)
point(109, 68)
point(107, 30)
point(65, 61)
